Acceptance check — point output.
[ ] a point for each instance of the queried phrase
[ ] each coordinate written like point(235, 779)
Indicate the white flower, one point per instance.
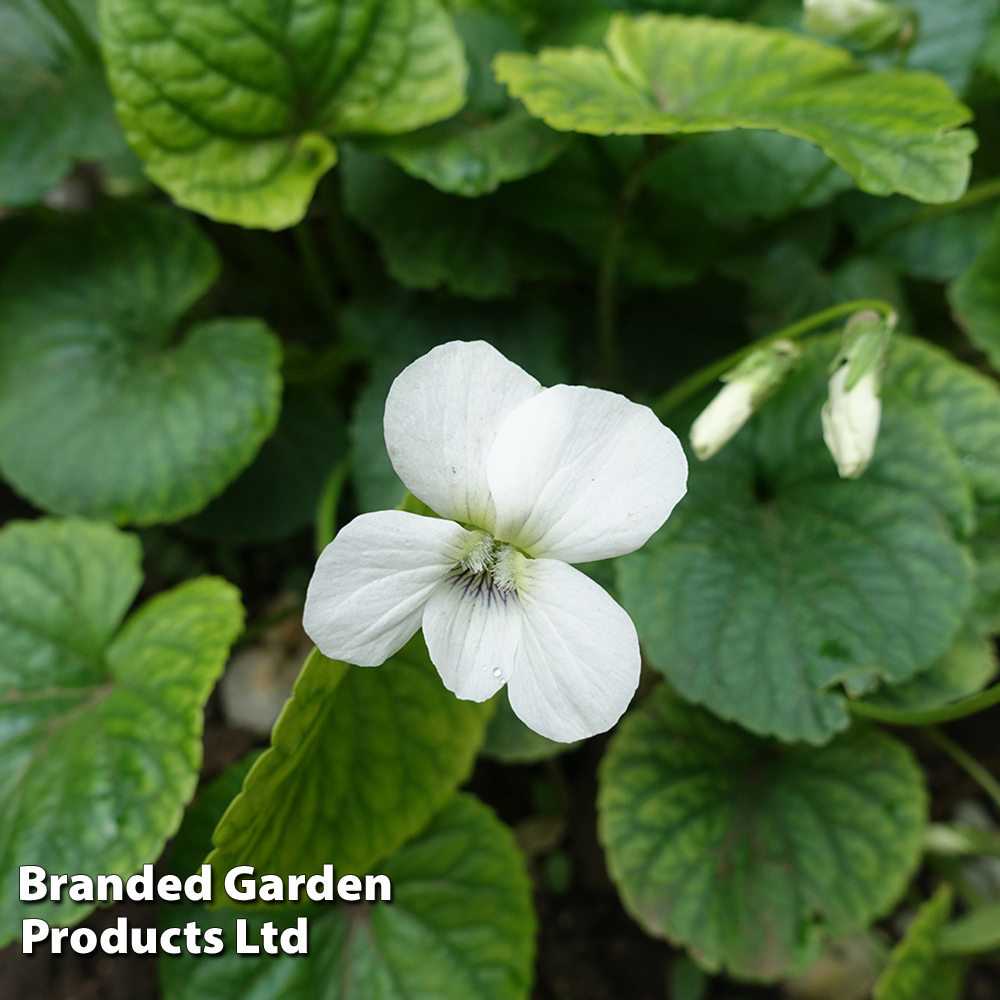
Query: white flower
point(747, 386)
point(850, 421)
point(526, 480)
point(870, 23)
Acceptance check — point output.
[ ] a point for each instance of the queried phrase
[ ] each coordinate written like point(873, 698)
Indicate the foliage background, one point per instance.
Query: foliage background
point(206, 290)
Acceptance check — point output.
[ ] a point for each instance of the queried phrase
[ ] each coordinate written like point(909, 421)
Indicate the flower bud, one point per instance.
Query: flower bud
point(853, 411)
point(747, 386)
point(871, 24)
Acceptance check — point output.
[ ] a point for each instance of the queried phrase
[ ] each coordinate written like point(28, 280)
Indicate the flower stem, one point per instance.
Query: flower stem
point(928, 716)
point(692, 385)
point(607, 278)
point(927, 213)
point(320, 282)
point(967, 762)
point(75, 29)
point(326, 511)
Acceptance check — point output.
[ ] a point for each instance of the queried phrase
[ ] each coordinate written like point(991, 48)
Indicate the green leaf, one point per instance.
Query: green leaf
point(100, 727)
point(430, 239)
point(967, 666)
point(104, 410)
point(742, 173)
point(493, 140)
point(359, 761)
point(916, 971)
point(976, 932)
point(891, 131)
point(667, 242)
point(230, 109)
point(950, 36)
point(278, 494)
point(510, 741)
point(460, 927)
point(940, 249)
point(975, 298)
point(774, 581)
point(747, 852)
point(55, 106)
point(398, 329)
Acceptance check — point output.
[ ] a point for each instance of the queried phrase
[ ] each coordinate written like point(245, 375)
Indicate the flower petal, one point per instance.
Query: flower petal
point(577, 664)
point(370, 585)
point(441, 417)
point(472, 631)
point(580, 474)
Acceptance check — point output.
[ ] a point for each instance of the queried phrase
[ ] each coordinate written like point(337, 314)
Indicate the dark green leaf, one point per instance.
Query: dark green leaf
point(100, 728)
point(742, 173)
point(104, 410)
point(748, 852)
point(360, 759)
point(430, 239)
point(509, 740)
point(774, 581)
point(976, 932)
point(55, 107)
point(277, 495)
point(975, 298)
point(459, 927)
point(891, 131)
point(230, 109)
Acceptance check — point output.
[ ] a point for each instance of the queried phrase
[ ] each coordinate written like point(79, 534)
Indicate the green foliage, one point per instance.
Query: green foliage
point(891, 131)
point(360, 759)
point(975, 298)
point(104, 410)
point(277, 495)
point(509, 740)
point(460, 927)
point(100, 725)
point(977, 931)
point(916, 970)
point(431, 239)
point(492, 140)
point(230, 110)
point(827, 582)
point(55, 107)
point(748, 852)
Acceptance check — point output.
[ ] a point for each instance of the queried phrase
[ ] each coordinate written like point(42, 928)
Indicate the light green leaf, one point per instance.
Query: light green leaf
point(976, 932)
point(430, 239)
point(100, 727)
point(460, 927)
point(891, 131)
point(360, 760)
point(748, 852)
point(55, 107)
point(104, 410)
point(774, 581)
point(493, 140)
point(277, 495)
point(742, 173)
point(229, 109)
point(916, 970)
point(510, 741)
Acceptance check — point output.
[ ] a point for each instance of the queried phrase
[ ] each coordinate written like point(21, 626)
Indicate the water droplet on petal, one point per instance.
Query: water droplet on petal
point(496, 671)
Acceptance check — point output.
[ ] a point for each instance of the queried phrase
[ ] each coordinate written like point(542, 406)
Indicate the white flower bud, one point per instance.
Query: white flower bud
point(850, 422)
point(872, 24)
point(853, 411)
point(747, 386)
